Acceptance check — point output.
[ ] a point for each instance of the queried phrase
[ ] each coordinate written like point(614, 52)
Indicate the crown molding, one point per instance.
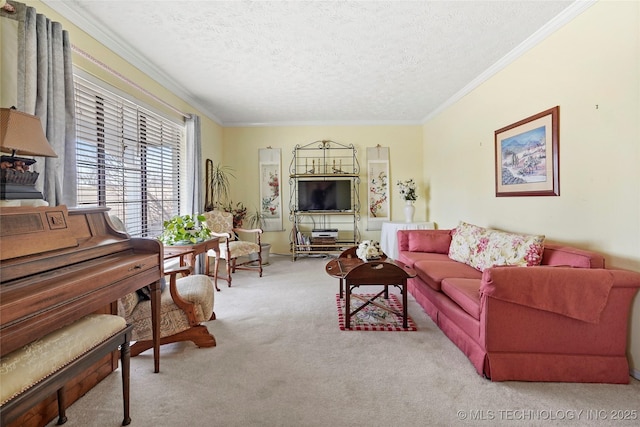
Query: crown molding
point(135, 58)
point(567, 15)
point(115, 43)
point(326, 123)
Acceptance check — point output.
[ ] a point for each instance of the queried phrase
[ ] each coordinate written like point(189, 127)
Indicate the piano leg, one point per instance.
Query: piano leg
point(125, 356)
point(155, 324)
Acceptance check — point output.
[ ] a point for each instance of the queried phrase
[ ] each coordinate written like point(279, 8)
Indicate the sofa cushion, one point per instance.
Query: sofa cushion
point(465, 293)
point(433, 272)
point(482, 248)
point(436, 241)
point(410, 258)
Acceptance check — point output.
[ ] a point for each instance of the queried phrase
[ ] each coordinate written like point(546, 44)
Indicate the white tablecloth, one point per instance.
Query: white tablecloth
point(388, 235)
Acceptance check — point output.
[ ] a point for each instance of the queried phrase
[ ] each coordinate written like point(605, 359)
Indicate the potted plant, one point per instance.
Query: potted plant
point(218, 185)
point(255, 219)
point(185, 230)
point(239, 212)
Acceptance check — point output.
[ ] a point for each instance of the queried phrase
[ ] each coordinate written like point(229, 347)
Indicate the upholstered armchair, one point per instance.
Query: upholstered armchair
point(231, 247)
point(185, 304)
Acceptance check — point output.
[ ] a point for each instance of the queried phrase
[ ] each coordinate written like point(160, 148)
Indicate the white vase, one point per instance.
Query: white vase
point(409, 210)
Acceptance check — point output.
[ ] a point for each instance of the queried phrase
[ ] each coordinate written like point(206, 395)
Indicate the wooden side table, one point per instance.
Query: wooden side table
point(189, 253)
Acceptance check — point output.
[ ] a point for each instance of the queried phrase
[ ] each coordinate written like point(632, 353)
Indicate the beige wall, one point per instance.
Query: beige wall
point(241, 152)
point(590, 68)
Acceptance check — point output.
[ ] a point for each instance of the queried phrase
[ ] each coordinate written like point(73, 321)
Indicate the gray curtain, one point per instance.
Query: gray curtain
point(194, 195)
point(194, 160)
point(45, 89)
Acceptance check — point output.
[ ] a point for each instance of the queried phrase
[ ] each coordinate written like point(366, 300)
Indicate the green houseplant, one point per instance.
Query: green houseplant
point(185, 229)
point(255, 218)
point(217, 195)
point(218, 185)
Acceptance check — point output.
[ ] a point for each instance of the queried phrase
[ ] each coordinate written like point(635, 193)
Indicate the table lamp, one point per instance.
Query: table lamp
point(20, 133)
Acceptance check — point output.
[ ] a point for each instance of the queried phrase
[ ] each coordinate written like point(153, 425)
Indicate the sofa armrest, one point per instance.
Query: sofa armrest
point(557, 255)
point(574, 292)
point(519, 326)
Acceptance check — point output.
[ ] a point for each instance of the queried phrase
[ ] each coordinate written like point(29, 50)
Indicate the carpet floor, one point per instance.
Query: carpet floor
point(281, 361)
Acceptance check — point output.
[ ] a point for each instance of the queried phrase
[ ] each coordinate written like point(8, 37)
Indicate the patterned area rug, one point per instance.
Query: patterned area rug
point(372, 318)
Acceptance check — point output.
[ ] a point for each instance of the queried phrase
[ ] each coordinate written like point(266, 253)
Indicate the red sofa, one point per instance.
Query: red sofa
point(564, 320)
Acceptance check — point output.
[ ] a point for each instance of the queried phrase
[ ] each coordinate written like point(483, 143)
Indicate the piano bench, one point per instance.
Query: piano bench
point(32, 373)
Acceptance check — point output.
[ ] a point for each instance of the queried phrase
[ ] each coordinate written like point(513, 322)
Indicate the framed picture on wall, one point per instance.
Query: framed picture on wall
point(527, 156)
point(270, 196)
point(377, 187)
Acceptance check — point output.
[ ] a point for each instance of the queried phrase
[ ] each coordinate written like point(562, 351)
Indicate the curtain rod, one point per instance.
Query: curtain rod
point(125, 79)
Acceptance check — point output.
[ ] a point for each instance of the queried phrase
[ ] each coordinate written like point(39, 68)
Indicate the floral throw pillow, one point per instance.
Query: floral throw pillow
point(482, 248)
point(465, 242)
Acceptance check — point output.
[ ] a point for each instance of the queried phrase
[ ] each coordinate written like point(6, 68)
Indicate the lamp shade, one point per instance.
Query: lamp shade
point(22, 134)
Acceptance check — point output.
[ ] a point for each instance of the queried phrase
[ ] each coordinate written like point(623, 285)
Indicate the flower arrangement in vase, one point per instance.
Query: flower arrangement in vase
point(408, 190)
point(369, 250)
point(408, 193)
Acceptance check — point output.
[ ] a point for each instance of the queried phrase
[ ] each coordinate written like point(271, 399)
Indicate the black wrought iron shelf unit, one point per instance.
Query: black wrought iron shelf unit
point(324, 205)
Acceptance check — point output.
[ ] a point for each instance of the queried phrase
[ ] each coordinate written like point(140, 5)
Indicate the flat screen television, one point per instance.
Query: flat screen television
point(324, 195)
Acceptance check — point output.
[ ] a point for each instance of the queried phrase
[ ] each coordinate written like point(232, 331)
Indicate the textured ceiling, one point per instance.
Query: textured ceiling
point(316, 62)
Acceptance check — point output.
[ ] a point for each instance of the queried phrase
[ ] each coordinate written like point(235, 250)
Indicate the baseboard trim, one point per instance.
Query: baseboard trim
point(635, 373)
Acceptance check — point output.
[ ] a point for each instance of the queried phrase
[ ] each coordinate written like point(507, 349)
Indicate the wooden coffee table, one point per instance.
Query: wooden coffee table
point(356, 273)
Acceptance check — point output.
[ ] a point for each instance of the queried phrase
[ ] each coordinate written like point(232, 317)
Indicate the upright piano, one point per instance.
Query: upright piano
point(58, 265)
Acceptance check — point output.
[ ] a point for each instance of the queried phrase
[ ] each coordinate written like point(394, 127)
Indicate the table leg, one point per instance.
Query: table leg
point(404, 304)
point(347, 307)
point(190, 260)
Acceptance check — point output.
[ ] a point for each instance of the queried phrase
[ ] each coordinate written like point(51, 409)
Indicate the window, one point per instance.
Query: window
point(128, 159)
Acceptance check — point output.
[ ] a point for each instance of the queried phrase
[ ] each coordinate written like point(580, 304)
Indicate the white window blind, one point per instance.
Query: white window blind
point(128, 159)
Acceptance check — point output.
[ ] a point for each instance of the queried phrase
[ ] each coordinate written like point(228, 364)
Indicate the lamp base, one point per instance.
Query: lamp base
point(9, 191)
